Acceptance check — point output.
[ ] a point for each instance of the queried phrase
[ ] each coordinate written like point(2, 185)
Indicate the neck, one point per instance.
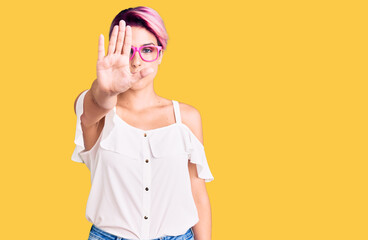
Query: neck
point(138, 100)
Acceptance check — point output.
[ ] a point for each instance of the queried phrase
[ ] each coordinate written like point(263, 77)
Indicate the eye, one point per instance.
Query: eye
point(147, 49)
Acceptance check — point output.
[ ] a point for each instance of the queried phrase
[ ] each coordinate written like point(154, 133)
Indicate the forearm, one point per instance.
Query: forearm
point(202, 230)
point(97, 104)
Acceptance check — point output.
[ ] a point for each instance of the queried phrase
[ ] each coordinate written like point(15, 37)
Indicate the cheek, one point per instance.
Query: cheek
point(154, 65)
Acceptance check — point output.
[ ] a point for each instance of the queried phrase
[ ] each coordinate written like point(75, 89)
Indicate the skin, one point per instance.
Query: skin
point(128, 85)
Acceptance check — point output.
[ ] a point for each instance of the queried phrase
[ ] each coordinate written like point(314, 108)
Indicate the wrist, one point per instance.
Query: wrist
point(102, 98)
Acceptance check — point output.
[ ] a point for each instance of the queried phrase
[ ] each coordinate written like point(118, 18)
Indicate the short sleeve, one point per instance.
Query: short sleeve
point(79, 155)
point(197, 155)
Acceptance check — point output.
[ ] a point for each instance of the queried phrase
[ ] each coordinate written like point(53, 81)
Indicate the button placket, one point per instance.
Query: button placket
point(146, 162)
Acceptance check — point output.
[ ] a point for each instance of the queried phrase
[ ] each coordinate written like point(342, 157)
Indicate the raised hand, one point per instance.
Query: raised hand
point(113, 71)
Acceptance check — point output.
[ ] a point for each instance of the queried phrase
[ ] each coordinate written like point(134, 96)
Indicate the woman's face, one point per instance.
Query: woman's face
point(140, 36)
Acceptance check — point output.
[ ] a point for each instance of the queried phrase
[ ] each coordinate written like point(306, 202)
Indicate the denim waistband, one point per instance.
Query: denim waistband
point(99, 232)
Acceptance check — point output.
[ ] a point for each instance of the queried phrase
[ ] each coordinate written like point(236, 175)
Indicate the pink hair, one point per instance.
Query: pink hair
point(143, 17)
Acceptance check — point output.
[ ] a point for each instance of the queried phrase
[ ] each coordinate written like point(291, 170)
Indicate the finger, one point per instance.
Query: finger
point(120, 37)
point(145, 72)
point(101, 47)
point(141, 74)
point(127, 41)
point(113, 40)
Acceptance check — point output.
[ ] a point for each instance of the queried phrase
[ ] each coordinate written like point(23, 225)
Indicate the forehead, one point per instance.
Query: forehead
point(141, 36)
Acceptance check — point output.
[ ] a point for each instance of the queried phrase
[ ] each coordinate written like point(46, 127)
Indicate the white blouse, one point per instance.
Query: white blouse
point(140, 182)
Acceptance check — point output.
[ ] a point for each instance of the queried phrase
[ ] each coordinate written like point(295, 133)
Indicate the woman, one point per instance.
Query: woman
point(145, 152)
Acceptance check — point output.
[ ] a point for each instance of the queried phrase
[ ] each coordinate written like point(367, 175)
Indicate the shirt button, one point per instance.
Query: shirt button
point(145, 134)
point(146, 188)
point(145, 217)
point(147, 160)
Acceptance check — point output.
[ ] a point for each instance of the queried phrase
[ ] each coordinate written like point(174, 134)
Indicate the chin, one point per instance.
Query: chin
point(141, 84)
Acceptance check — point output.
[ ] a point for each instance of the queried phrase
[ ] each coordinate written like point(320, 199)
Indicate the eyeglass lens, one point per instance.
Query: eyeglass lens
point(148, 53)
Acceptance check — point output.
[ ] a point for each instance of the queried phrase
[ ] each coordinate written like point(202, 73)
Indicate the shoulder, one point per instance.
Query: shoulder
point(191, 117)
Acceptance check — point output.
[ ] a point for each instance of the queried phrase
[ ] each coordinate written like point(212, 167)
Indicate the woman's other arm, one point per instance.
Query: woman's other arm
point(202, 230)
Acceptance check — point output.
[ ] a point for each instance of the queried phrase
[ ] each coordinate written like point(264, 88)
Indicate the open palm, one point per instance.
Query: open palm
point(113, 71)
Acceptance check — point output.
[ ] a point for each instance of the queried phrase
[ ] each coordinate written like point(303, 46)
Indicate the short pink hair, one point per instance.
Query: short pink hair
point(143, 17)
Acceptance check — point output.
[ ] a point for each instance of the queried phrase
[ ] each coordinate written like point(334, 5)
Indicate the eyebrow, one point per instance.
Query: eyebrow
point(151, 43)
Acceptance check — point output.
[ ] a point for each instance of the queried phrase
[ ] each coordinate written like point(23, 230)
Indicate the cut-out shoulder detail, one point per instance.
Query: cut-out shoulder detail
point(191, 132)
point(192, 119)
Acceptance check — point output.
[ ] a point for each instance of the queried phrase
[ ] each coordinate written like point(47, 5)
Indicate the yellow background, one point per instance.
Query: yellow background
point(281, 87)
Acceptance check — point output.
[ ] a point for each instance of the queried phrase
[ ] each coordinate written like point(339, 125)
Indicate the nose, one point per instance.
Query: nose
point(136, 60)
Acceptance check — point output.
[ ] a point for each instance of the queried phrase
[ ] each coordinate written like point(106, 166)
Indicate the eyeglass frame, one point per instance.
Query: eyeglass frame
point(135, 49)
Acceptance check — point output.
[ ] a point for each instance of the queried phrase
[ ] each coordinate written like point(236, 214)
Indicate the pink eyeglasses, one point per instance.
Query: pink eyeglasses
point(148, 53)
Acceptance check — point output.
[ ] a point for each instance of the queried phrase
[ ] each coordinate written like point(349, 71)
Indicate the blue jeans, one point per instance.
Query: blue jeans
point(99, 234)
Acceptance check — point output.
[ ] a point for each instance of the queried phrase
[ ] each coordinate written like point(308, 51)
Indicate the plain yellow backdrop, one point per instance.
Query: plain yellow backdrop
point(282, 91)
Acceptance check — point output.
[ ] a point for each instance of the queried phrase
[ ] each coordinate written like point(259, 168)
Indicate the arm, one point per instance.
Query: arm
point(92, 118)
point(97, 104)
point(202, 230)
point(113, 78)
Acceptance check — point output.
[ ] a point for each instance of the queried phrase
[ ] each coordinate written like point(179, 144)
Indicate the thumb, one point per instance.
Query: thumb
point(146, 71)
